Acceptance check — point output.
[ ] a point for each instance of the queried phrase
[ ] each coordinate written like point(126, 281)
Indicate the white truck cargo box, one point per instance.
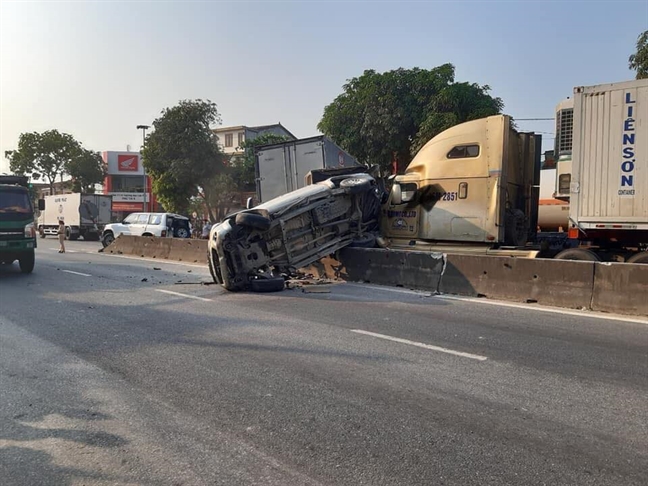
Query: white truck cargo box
point(281, 168)
point(609, 182)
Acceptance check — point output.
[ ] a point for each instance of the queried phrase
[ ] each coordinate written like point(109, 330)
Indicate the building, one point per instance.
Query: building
point(127, 184)
point(230, 139)
point(43, 189)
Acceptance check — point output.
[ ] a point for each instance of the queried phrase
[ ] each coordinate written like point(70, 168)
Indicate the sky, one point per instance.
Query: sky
point(98, 69)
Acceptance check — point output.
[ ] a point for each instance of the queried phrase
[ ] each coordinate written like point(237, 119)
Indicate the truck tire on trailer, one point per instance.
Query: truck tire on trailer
point(578, 254)
point(641, 257)
point(26, 262)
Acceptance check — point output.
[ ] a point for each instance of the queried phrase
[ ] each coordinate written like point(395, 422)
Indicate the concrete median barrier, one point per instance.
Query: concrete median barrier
point(411, 269)
point(621, 288)
point(550, 282)
point(175, 249)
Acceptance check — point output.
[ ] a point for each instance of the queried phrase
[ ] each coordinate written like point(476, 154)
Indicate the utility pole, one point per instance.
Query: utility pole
point(143, 128)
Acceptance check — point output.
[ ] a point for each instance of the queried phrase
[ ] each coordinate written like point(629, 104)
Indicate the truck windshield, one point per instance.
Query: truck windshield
point(15, 202)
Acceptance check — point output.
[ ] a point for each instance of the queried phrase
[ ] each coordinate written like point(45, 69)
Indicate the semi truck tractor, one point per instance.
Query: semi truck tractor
point(17, 231)
point(475, 187)
point(84, 215)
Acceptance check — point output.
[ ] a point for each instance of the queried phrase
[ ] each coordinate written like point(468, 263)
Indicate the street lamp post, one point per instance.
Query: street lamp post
point(144, 128)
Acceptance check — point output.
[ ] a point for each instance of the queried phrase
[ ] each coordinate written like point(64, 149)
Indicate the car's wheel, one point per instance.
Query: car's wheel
point(73, 236)
point(26, 262)
point(67, 233)
point(273, 284)
point(182, 233)
point(578, 254)
point(212, 272)
point(355, 185)
point(365, 241)
point(641, 257)
point(252, 220)
point(107, 239)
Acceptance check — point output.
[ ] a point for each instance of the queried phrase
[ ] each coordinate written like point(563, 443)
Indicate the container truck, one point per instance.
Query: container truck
point(84, 215)
point(17, 232)
point(282, 168)
point(474, 187)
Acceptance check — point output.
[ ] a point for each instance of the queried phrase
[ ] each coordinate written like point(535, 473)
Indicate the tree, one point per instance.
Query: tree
point(43, 155)
point(639, 60)
point(86, 169)
point(385, 117)
point(243, 169)
point(181, 154)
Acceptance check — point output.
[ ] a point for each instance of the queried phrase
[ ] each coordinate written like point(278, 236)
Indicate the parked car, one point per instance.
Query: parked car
point(256, 248)
point(148, 224)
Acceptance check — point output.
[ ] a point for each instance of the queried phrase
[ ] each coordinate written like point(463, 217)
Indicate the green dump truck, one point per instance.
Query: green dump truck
point(17, 231)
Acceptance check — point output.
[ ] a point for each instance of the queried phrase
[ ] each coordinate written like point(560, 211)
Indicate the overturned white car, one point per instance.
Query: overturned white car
point(257, 248)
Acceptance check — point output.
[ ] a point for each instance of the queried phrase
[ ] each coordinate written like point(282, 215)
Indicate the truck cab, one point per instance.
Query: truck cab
point(17, 231)
point(476, 183)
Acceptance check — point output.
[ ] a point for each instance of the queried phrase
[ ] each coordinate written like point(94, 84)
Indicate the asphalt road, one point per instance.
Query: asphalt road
point(122, 371)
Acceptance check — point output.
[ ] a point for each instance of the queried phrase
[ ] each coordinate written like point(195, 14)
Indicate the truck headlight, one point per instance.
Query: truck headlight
point(30, 231)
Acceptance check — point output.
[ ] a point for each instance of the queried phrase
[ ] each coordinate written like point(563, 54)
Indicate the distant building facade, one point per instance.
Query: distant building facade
point(230, 139)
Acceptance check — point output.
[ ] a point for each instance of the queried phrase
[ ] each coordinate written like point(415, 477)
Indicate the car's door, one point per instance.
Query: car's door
point(124, 228)
point(154, 225)
point(139, 227)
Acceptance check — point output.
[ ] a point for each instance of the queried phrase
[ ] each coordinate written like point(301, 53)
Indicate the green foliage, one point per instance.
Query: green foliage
point(86, 170)
point(242, 169)
point(181, 154)
point(385, 116)
point(219, 193)
point(43, 155)
point(639, 60)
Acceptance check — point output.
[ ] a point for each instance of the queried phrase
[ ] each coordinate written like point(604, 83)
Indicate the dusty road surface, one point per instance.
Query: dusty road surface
point(122, 371)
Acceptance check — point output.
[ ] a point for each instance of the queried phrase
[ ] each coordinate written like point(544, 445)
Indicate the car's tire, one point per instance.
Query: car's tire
point(641, 257)
point(107, 239)
point(212, 272)
point(252, 220)
point(273, 284)
point(68, 232)
point(73, 236)
point(355, 185)
point(26, 262)
point(182, 233)
point(367, 240)
point(578, 254)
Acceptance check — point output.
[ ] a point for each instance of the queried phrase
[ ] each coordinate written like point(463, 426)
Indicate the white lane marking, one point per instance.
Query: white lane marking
point(420, 293)
point(77, 273)
point(421, 345)
point(531, 307)
point(66, 251)
point(554, 310)
point(171, 292)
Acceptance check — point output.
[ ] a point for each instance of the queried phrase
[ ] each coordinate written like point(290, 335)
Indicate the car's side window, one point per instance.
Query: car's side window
point(142, 219)
point(131, 218)
point(155, 219)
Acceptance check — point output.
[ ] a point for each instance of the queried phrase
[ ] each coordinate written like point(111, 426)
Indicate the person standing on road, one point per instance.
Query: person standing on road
point(61, 235)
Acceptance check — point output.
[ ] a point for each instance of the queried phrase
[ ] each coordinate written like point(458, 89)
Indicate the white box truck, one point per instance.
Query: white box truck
point(282, 167)
point(84, 214)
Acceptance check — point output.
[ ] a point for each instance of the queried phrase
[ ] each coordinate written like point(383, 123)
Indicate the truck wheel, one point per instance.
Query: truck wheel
point(26, 262)
point(252, 220)
point(274, 284)
point(355, 185)
point(107, 240)
point(67, 233)
point(578, 254)
point(641, 257)
point(73, 236)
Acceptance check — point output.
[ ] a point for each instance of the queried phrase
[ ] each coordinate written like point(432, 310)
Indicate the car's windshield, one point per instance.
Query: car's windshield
point(15, 202)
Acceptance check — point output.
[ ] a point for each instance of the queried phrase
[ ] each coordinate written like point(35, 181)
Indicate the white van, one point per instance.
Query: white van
point(148, 224)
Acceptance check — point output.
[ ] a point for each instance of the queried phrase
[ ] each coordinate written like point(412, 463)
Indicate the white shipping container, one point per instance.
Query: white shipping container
point(609, 182)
